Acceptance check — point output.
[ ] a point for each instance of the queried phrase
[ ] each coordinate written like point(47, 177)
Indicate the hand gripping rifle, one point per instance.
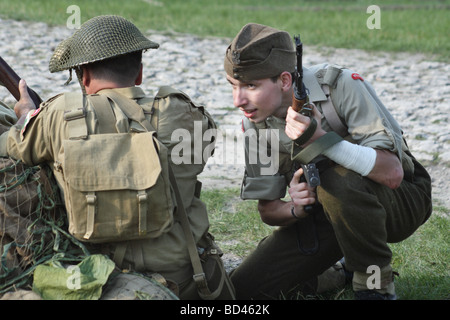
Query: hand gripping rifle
point(301, 103)
point(10, 80)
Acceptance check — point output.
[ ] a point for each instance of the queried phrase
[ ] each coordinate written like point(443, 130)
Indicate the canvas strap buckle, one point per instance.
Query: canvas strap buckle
point(142, 203)
point(200, 280)
point(91, 200)
point(74, 114)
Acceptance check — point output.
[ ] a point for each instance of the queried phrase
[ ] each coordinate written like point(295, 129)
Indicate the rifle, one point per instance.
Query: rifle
point(10, 80)
point(300, 103)
point(300, 99)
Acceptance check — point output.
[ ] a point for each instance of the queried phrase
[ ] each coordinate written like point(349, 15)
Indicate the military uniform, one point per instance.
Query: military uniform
point(41, 140)
point(355, 217)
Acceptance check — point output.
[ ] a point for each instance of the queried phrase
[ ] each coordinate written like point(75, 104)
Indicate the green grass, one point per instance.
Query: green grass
point(235, 223)
point(422, 260)
point(414, 26)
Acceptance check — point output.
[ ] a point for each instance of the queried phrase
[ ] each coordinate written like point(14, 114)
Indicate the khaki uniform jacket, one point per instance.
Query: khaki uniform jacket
point(41, 141)
point(368, 121)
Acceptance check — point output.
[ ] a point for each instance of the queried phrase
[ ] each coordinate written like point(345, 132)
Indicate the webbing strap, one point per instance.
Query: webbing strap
point(142, 204)
point(105, 115)
point(307, 134)
point(304, 138)
point(331, 114)
point(307, 154)
point(91, 202)
point(75, 114)
point(130, 108)
point(199, 275)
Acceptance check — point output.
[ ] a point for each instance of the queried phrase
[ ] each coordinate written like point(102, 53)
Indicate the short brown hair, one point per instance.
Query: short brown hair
point(122, 68)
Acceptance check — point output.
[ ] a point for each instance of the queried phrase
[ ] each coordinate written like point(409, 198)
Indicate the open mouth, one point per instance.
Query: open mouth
point(249, 113)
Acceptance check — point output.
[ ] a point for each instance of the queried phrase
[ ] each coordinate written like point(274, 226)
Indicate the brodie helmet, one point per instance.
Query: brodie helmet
point(99, 38)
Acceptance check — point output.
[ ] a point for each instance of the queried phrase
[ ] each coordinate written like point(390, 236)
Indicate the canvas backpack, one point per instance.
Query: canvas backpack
point(116, 185)
point(139, 163)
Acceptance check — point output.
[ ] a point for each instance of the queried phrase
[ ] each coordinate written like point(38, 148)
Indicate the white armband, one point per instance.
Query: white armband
point(352, 156)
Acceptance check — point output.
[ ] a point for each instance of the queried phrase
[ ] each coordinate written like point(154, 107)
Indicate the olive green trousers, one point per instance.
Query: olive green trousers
point(358, 219)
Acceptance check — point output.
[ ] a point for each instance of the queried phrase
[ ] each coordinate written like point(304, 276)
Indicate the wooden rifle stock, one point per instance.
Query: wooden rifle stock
point(10, 80)
point(297, 104)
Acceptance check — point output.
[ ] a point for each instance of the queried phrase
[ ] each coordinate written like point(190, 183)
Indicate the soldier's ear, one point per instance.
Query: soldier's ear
point(86, 77)
point(286, 80)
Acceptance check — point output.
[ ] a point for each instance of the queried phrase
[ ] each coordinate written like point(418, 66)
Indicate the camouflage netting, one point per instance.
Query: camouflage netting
point(31, 224)
point(32, 233)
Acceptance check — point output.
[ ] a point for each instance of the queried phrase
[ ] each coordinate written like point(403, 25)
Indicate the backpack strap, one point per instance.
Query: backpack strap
point(130, 108)
point(330, 113)
point(75, 114)
point(327, 78)
point(105, 115)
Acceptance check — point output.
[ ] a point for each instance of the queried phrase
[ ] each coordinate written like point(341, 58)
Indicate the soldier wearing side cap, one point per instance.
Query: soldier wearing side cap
point(106, 54)
point(372, 189)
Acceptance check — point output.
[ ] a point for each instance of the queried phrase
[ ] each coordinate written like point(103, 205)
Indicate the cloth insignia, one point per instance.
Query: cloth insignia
point(29, 117)
point(356, 76)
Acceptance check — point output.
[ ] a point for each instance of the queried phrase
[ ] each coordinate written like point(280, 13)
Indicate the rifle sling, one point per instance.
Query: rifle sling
point(307, 154)
point(309, 132)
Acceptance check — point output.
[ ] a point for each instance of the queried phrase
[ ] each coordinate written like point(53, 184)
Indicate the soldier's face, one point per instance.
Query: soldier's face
point(257, 99)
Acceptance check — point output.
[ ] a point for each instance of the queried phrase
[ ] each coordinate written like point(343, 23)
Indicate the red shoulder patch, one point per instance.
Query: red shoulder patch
point(356, 76)
point(29, 117)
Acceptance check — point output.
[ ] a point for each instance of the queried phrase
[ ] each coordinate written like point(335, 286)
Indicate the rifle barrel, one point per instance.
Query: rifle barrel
point(299, 96)
point(10, 80)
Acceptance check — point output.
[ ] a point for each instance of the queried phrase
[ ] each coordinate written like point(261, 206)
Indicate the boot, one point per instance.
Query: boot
point(335, 277)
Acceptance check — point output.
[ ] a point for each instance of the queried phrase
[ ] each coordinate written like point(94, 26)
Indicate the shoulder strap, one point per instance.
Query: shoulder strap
point(327, 78)
point(131, 108)
point(330, 113)
point(75, 114)
point(105, 115)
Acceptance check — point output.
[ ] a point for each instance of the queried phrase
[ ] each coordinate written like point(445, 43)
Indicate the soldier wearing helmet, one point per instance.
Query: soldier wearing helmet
point(105, 53)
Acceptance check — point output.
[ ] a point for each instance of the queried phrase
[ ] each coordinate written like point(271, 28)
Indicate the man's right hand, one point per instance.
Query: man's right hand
point(296, 125)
